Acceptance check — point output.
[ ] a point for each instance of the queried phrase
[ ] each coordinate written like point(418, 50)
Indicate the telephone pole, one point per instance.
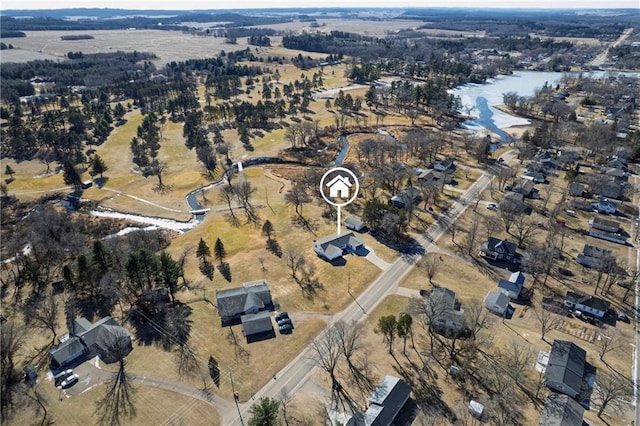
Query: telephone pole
point(235, 396)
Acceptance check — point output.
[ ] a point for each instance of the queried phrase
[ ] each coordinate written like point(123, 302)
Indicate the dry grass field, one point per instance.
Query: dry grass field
point(167, 45)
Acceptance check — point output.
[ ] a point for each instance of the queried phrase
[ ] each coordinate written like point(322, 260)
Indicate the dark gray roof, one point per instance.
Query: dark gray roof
point(510, 286)
point(387, 400)
point(233, 301)
point(561, 410)
point(337, 242)
point(595, 251)
point(497, 298)
point(67, 350)
point(256, 323)
point(99, 332)
point(493, 244)
point(566, 364)
point(444, 297)
point(590, 301)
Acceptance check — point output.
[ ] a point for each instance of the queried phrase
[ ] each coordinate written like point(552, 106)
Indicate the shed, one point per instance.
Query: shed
point(354, 223)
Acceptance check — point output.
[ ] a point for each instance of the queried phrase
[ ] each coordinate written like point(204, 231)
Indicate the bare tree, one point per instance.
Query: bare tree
point(491, 224)
point(525, 227)
point(118, 403)
point(227, 195)
point(285, 400)
point(548, 321)
point(431, 265)
point(611, 390)
point(295, 262)
point(608, 340)
point(326, 353)
point(470, 237)
point(297, 196)
point(46, 316)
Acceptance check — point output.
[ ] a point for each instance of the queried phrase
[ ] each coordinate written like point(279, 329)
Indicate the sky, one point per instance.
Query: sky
point(240, 4)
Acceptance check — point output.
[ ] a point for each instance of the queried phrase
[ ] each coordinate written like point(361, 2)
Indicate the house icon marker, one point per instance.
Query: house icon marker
point(339, 187)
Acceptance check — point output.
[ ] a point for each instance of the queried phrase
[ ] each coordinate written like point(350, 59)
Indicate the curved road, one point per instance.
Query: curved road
point(299, 370)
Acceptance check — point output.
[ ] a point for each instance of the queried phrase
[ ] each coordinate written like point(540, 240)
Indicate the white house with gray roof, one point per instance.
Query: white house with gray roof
point(251, 298)
point(332, 247)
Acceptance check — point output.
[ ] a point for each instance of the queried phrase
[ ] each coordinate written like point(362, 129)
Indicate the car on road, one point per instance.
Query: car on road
point(492, 206)
point(285, 329)
point(62, 375)
point(69, 381)
point(281, 315)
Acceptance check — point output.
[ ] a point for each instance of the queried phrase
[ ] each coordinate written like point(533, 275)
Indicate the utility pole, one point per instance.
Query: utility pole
point(235, 396)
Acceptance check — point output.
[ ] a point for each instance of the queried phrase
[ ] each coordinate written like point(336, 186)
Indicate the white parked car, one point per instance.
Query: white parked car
point(69, 381)
point(62, 375)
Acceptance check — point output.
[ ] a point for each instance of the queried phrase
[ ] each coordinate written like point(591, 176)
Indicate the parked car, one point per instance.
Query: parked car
point(492, 206)
point(622, 316)
point(286, 328)
point(281, 315)
point(69, 381)
point(566, 272)
point(284, 321)
point(62, 375)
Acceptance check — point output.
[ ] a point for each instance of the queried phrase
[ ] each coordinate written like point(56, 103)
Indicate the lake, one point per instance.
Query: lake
point(479, 99)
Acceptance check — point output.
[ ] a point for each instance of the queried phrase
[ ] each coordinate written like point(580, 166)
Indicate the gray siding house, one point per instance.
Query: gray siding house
point(565, 368)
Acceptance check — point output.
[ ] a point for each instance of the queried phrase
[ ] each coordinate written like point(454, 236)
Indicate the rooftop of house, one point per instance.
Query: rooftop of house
point(566, 363)
point(595, 251)
point(561, 410)
point(497, 298)
point(495, 244)
point(341, 240)
point(234, 301)
point(586, 300)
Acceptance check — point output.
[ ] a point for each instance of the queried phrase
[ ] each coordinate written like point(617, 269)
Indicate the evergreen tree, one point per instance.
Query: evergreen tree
point(264, 413)
point(219, 251)
point(203, 251)
point(98, 166)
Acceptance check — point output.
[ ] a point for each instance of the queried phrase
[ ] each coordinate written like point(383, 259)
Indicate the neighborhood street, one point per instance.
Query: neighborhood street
point(298, 371)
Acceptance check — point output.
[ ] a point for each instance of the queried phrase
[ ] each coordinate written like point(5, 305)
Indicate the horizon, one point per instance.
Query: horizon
point(205, 5)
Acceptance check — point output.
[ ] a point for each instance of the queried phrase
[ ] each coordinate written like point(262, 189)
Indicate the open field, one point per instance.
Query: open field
point(167, 45)
point(372, 28)
point(154, 406)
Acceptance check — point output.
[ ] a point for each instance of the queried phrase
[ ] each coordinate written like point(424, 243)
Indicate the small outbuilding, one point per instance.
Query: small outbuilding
point(354, 223)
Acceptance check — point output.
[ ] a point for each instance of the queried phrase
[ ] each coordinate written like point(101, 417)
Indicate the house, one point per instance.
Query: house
point(580, 204)
point(435, 177)
point(536, 177)
point(512, 202)
point(497, 249)
point(604, 224)
point(251, 298)
point(354, 223)
point(87, 340)
point(567, 158)
point(560, 410)
point(332, 247)
point(606, 230)
point(577, 189)
point(513, 286)
point(448, 316)
point(565, 368)
point(593, 256)
point(256, 325)
point(386, 401)
point(605, 206)
point(524, 186)
point(339, 187)
point(408, 196)
point(445, 165)
point(590, 305)
point(497, 302)
point(616, 173)
point(607, 188)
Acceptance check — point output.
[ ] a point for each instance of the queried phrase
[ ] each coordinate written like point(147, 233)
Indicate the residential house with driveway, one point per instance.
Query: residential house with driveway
point(500, 249)
point(333, 247)
point(565, 368)
point(586, 304)
point(87, 340)
point(605, 206)
point(513, 286)
point(251, 298)
point(606, 230)
point(446, 166)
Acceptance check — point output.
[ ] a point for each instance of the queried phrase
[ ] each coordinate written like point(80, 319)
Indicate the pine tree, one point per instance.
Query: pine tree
point(203, 251)
point(219, 251)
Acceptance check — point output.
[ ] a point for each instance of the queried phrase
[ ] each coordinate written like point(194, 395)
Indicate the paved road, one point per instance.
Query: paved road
point(299, 370)
point(602, 56)
point(635, 247)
